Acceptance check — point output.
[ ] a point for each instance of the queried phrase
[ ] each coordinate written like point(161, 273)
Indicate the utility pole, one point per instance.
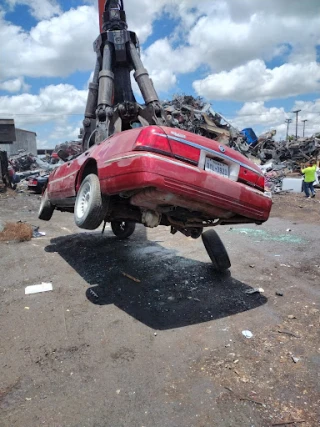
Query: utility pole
point(304, 126)
point(296, 112)
point(288, 121)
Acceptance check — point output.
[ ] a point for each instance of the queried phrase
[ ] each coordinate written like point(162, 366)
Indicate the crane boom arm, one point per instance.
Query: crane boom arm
point(111, 104)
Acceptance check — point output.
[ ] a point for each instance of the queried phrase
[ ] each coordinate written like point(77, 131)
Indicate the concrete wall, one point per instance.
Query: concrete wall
point(25, 140)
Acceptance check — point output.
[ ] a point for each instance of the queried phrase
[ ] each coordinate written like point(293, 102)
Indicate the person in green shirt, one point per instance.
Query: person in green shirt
point(309, 178)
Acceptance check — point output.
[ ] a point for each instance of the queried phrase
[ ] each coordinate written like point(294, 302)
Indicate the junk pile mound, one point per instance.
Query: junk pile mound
point(283, 159)
point(294, 152)
point(194, 115)
point(31, 172)
point(277, 159)
point(67, 150)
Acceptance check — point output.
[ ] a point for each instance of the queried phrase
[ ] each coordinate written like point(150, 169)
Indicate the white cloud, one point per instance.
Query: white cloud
point(53, 103)
point(258, 116)
point(61, 132)
point(164, 63)
point(55, 47)
point(40, 9)
point(63, 44)
point(55, 113)
point(239, 11)
point(14, 85)
point(258, 113)
point(254, 81)
point(140, 15)
point(310, 110)
point(66, 132)
point(160, 55)
point(233, 40)
point(163, 80)
point(226, 34)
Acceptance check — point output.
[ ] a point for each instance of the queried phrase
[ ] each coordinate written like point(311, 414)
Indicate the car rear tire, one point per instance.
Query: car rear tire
point(123, 229)
point(46, 209)
point(216, 250)
point(88, 209)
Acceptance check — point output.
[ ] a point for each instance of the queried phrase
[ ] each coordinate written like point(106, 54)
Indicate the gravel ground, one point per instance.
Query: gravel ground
point(166, 349)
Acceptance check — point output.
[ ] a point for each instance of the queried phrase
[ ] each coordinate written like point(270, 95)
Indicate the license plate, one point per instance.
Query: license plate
point(217, 167)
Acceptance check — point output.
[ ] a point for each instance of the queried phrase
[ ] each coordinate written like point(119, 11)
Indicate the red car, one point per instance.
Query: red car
point(160, 176)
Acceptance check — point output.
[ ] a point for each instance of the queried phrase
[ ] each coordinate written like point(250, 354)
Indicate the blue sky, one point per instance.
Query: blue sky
point(254, 62)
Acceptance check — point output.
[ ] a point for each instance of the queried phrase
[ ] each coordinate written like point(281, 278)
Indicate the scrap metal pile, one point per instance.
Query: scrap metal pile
point(282, 159)
point(294, 152)
point(193, 115)
point(23, 161)
point(67, 150)
point(277, 159)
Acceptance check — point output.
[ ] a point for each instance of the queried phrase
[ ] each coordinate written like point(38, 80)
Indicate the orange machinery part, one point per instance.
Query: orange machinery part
point(101, 5)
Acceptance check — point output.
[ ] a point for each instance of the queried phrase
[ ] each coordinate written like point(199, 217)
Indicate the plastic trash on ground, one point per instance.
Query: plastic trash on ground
point(36, 289)
point(247, 334)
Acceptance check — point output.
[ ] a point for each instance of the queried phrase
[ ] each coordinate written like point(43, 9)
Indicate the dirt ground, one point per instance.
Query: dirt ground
point(296, 207)
point(166, 350)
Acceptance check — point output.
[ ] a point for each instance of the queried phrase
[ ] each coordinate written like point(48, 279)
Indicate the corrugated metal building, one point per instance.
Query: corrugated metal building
point(24, 139)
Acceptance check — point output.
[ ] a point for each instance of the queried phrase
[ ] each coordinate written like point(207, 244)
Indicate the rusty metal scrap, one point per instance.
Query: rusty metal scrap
point(194, 115)
point(68, 150)
point(277, 159)
point(296, 151)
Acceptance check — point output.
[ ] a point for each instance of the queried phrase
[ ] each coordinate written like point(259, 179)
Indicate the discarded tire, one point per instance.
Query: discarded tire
point(88, 209)
point(123, 229)
point(216, 250)
point(46, 209)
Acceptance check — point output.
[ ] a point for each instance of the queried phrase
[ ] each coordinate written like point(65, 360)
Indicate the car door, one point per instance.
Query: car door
point(62, 184)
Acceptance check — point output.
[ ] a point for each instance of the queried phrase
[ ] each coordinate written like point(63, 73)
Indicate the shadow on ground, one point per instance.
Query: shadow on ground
point(173, 292)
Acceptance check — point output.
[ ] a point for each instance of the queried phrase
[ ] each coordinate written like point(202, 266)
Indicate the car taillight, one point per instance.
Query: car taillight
point(184, 152)
point(261, 182)
point(153, 139)
point(249, 177)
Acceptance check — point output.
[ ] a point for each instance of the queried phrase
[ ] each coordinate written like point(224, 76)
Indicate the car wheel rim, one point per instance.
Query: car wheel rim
point(84, 200)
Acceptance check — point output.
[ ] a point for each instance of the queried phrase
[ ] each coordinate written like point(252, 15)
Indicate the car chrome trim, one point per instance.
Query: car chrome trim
point(62, 178)
point(146, 154)
point(210, 151)
point(260, 192)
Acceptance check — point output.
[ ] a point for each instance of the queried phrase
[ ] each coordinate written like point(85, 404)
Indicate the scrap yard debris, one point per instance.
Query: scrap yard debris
point(278, 160)
point(36, 289)
point(16, 232)
point(193, 115)
point(131, 277)
point(25, 171)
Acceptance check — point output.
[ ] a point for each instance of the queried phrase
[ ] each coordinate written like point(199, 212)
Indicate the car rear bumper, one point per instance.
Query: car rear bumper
point(144, 170)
